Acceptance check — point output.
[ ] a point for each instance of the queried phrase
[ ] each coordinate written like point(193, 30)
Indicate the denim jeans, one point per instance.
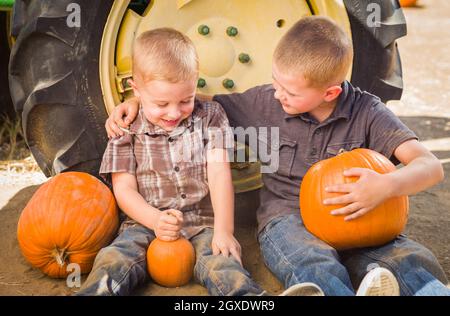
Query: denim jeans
point(122, 266)
point(294, 256)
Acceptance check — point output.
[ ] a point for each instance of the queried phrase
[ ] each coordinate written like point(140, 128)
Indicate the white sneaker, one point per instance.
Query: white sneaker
point(303, 289)
point(379, 282)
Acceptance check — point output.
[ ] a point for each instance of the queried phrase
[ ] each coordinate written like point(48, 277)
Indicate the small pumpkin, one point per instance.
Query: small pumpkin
point(171, 263)
point(68, 220)
point(408, 3)
point(377, 227)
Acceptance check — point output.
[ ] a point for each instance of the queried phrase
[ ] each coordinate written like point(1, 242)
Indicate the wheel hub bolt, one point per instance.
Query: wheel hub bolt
point(232, 31)
point(201, 83)
point(203, 29)
point(228, 83)
point(244, 58)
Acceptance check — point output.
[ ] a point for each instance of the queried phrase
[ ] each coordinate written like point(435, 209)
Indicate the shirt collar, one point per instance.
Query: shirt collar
point(142, 126)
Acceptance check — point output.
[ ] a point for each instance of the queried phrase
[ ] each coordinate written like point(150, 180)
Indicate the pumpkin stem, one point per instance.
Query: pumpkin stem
point(60, 256)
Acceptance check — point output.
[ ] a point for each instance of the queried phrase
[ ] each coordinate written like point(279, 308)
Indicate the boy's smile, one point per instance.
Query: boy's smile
point(170, 123)
point(166, 104)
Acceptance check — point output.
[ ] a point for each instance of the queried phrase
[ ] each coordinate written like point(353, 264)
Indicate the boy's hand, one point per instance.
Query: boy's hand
point(225, 243)
point(362, 196)
point(122, 116)
point(169, 225)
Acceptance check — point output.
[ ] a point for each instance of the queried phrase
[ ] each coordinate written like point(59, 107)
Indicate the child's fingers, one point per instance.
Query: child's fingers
point(170, 227)
point(236, 254)
point(168, 218)
point(131, 113)
point(118, 115)
point(215, 249)
point(357, 214)
point(349, 209)
point(167, 238)
point(112, 129)
point(168, 234)
point(225, 251)
point(340, 188)
point(343, 199)
point(355, 172)
point(177, 214)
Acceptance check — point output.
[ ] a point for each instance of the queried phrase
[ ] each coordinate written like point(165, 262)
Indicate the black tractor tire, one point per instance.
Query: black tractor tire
point(376, 64)
point(55, 85)
point(6, 105)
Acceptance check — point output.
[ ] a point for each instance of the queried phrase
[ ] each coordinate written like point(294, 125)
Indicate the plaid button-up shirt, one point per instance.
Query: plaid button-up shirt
point(170, 168)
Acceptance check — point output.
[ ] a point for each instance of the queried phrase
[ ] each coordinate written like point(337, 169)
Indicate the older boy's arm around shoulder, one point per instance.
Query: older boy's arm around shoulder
point(121, 117)
point(222, 198)
point(421, 171)
point(166, 224)
point(245, 109)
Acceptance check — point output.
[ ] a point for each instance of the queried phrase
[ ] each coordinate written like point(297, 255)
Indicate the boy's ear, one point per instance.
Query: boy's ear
point(135, 89)
point(332, 93)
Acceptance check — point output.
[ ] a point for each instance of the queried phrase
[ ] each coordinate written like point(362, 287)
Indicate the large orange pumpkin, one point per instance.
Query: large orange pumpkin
point(68, 220)
point(171, 263)
point(377, 227)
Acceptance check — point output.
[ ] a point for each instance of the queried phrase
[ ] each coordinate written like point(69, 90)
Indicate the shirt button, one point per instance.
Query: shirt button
point(183, 196)
point(171, 139)
point(176, 169)
point(313, 151)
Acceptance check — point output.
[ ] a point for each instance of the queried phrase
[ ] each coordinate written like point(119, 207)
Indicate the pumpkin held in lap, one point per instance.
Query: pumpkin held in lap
point(376, 227)
point(171, 263)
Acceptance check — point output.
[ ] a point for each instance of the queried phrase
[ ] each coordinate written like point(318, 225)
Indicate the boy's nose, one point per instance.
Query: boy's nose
point(174, 115)
point(279, 96)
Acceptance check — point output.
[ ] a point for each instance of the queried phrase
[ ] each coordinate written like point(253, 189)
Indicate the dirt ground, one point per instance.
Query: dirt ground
point(424, 107)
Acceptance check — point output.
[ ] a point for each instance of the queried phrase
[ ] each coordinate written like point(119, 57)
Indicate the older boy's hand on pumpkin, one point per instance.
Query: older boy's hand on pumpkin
point(121, 117)
point(224, 243)
point(361, 196)
point(169, 225)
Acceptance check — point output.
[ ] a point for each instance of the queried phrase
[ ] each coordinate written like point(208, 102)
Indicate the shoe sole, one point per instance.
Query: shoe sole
point(303, 289)
point(383, 283)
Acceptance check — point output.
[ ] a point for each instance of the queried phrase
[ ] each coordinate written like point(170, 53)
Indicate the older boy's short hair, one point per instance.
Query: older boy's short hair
point(164, 54)
point(318, 49)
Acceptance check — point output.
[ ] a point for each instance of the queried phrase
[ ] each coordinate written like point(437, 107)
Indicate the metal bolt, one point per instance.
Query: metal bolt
point(228, 83)
point(125, 83)
point(232, 31)
point(244, 58)
point(280, 23)
point(201, 83)
point(203, 29)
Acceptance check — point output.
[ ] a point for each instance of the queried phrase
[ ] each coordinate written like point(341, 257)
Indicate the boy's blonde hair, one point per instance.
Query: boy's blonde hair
point(318, 49)
point(164, 54)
